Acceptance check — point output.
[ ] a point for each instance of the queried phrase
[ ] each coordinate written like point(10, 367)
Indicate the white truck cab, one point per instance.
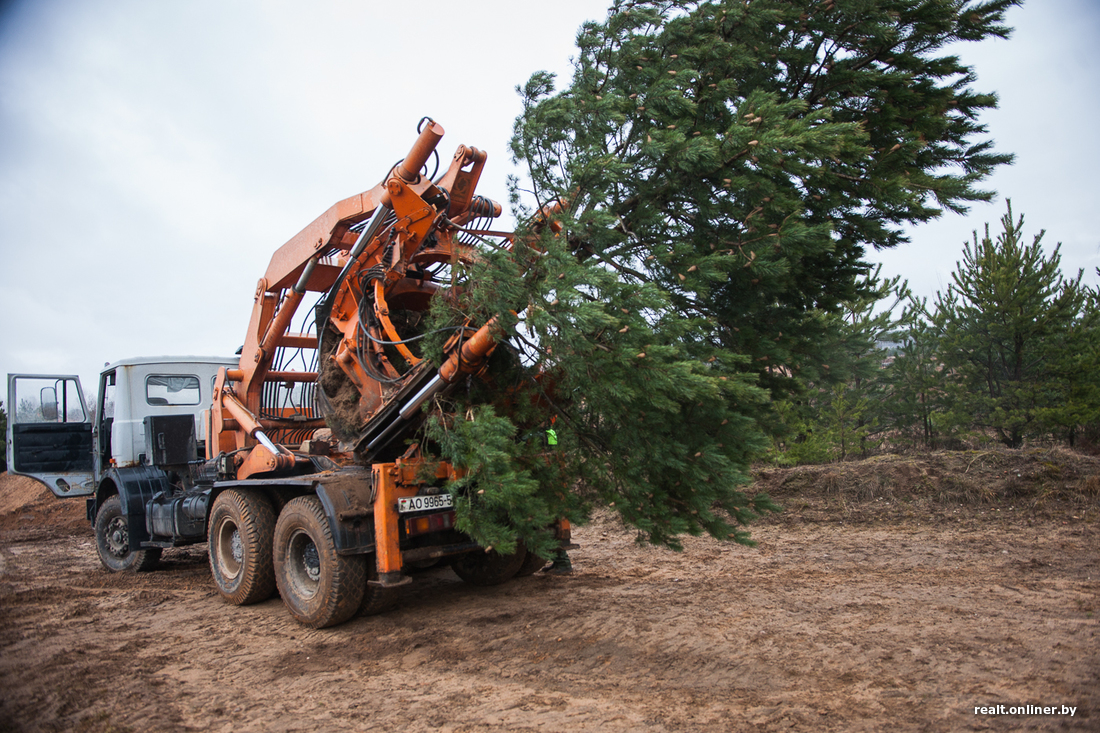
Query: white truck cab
point(57, 437)
point(130, 454)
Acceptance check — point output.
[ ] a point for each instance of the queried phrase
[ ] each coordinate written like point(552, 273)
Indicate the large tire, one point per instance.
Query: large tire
point(532, 563)
point(112, 540)
point(376, 599)
point(488, 568)
point(319, 587)
point(242, 527)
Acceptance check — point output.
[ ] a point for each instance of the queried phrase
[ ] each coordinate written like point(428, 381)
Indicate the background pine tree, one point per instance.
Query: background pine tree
point(916, 403)
point(1014, 336)
point(846, 412)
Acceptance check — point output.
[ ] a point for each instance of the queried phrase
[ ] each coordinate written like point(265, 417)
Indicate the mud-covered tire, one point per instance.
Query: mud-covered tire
point(376, 599)
point(112, 541)
point(532, 563)
point(488, 568)
point(319, 587)
point(242, 528)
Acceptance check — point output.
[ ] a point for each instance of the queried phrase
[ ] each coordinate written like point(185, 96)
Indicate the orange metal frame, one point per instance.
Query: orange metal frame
point(392, 481)
point(312, 261)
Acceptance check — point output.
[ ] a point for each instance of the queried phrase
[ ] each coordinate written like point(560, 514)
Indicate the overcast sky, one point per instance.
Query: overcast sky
point(154, 154)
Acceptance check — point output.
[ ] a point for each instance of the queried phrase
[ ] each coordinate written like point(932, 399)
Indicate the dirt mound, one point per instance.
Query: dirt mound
point(28, 506)
point(1035, 483)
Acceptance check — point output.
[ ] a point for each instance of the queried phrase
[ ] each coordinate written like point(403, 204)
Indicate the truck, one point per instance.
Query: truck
point(301, 461)
point(120, 452)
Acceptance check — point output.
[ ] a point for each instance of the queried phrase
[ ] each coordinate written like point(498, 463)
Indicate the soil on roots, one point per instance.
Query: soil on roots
point(341, 398)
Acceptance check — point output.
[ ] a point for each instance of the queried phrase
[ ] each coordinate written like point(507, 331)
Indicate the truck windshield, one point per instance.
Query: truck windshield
point(163, 389)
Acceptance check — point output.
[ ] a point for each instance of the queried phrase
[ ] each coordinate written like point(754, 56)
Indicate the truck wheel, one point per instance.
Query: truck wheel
point(319, 587)
point(532, 563)
point(242, 526)
point(112, 540)
point(378, 599)
point(488, 568)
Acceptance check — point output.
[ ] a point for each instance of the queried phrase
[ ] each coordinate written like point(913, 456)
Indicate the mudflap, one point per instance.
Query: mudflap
point(348, 501)
point(137, 486)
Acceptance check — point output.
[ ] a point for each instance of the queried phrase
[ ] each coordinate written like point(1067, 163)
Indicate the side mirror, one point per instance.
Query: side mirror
point(47, 397)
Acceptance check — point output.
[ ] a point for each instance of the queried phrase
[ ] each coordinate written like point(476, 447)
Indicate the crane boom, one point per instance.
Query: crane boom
point(374, 261)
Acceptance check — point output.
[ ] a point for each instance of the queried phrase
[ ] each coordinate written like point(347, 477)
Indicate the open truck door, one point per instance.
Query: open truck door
point(50, 432)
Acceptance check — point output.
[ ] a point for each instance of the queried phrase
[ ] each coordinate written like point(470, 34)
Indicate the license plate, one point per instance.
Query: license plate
point(423, 503)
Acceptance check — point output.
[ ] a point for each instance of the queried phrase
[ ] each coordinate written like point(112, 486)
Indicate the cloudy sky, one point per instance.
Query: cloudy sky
point(154, 154)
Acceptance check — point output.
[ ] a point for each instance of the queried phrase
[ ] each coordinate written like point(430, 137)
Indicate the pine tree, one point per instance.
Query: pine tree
point(742, 156)
point(721, 169)
point(916, 399)
point(1014, 338)
point(856, 407)
point(849, 407)
point(647, 422)
point(1082, 419)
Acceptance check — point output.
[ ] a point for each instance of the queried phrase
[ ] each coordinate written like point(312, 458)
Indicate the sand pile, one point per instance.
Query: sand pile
point(26, 504)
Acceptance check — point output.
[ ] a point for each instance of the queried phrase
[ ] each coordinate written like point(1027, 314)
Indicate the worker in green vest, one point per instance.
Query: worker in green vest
point(560, 565)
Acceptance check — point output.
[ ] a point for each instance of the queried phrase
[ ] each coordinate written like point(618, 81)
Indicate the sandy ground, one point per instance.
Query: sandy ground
point(897, 622)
